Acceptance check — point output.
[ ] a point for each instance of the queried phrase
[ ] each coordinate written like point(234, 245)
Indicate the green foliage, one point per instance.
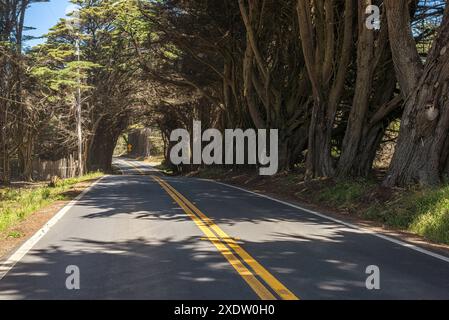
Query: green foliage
point(345, 193)
point(424, 212)
point(109, 33)
point(17, 204)
point(421, 211)
point(55, 62)
point(65, 78)
point(15, 234)
point(432, 219)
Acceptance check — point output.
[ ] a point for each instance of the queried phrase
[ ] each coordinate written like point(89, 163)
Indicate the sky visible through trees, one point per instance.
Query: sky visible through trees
point(43, 16)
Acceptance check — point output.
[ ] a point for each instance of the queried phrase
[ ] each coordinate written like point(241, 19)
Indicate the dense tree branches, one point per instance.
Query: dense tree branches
point(314, 69)
point(17, 116)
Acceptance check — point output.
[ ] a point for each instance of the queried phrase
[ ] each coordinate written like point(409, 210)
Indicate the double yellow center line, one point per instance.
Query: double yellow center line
point(231, 250)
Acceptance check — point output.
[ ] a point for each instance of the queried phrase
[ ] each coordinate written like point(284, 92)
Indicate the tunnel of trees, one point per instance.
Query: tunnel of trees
point(336, 89)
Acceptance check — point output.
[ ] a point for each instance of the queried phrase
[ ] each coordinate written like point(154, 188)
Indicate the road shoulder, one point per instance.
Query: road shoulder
point(266, 187)
point(34, 222)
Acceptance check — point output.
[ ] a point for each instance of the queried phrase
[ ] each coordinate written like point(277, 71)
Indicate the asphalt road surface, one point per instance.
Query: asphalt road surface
point(141, 235)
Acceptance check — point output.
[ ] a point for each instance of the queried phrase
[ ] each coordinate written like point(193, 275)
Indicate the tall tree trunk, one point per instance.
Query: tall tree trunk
point(276, 88)
point(25, 153)
point(319, 160)
point(5, 164)
point(425, 123)
point(445, 160)
point(12, 31)
point(368, 147)
point(99, 157)
point(327, 70)
point(361, 100)
point(407, 62)
point(372, 135)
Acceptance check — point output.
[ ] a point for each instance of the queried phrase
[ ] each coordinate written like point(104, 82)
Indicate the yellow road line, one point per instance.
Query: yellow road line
point(206, 225)
point(250, 279)
point(258, 269)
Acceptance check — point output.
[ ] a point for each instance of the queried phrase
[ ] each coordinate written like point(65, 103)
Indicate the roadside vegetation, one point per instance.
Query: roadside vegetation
point(16, 204)
point(421, 211)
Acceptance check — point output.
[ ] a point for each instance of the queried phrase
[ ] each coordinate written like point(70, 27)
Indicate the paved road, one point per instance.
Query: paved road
point(136, 236)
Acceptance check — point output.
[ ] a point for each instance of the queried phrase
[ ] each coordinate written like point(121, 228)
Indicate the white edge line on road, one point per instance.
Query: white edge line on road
point(10, 262)
point(353, 226)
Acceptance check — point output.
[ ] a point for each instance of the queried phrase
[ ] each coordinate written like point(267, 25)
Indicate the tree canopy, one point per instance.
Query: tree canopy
point(336, 89)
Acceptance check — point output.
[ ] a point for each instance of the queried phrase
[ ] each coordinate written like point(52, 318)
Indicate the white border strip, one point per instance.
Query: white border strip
point(7, 265)
point(364, 230)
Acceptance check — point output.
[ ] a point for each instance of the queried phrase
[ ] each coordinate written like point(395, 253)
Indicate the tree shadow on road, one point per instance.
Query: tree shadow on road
point(313, 257)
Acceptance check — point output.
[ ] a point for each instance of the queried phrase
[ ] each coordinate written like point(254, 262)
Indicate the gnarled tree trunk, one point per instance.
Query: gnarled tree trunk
point(362, 93)
point(327, 69)
point(421, 149)
point(101, 150)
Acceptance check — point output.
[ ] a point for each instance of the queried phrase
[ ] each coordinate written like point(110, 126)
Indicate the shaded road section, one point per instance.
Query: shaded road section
point(132, 239)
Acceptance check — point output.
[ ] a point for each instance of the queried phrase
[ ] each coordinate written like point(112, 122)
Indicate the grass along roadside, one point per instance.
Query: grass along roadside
point(16, 204)
point(420, 211)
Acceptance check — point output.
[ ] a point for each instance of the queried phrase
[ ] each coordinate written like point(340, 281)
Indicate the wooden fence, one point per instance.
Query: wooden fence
point(63, 168)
